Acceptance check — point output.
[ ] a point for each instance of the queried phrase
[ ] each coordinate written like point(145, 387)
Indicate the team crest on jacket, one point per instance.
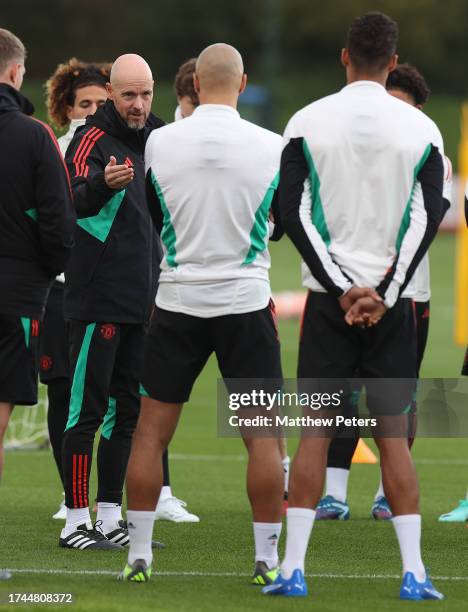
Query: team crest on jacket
point(45, 363)
point(108, 331)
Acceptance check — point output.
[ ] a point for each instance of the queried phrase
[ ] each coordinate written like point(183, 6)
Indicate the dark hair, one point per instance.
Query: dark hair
point(372, 40)
point(408, 79)
point(183, 83)
point(67, 78)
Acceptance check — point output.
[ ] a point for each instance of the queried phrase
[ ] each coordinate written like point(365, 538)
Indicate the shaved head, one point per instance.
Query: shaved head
point(220, 68)
point(130, 68)
point(131, 89)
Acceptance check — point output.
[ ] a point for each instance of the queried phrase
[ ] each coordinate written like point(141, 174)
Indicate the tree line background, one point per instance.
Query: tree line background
point(291, 46)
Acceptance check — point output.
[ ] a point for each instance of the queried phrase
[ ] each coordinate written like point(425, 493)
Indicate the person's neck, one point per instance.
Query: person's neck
point(216, 98)
point(5, 82)
point(352, 76)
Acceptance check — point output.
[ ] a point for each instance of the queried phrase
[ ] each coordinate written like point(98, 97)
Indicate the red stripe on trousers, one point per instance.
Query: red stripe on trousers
point(84, 157)
point(85, 481)
point(75, 502)
point(80, 481)
point(83, 142)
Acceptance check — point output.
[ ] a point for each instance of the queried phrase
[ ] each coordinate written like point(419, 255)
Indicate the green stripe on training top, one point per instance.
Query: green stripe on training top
point(316, 208)
point(100, 225)
point(407, 213)
point(77, 390)
point(109, 420)
point(260, 227)
point(168, 235)
point(26, 323)
point(32, 212)
point(143, 391)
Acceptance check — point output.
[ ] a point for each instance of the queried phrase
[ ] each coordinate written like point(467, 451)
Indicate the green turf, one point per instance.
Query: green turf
point(214, 488)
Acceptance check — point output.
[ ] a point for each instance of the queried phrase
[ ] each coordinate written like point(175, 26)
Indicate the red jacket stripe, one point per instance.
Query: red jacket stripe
point(84, 157)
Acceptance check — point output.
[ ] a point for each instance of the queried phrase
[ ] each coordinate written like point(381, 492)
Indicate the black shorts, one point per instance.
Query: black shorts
point(179, 345)
point(422, 311)
point(465, 364)
point(53, 340)
point(19, 346)
point(330, 349)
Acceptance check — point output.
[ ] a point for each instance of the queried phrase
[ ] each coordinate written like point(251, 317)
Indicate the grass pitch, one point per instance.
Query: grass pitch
point(352, 565)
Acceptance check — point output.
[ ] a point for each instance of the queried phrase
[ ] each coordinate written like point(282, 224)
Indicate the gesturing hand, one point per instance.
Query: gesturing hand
point(365, 312)
point(117, 176)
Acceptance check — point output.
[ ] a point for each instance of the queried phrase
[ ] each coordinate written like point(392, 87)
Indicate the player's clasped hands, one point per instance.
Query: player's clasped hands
point(363, 306)
point(116, 175)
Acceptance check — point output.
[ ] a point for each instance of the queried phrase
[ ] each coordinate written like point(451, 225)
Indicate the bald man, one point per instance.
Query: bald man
point(109, 288)
point(212, 181)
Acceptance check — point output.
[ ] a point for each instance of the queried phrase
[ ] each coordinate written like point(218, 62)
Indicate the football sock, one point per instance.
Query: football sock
point(300, 522)
point(75, 518)
point(165, 493)
point(286, 461)
point(110, 515)
point(380, 490)
point(266, 537)
point(408, 531)
point(140, 530)
point(337, 483)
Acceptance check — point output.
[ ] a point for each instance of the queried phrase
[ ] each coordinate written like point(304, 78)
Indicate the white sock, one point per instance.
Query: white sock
point(380, 491)
point(408, 530)
point(140, 530)
point(165, 493)
point(75, 518)
point(286, 461)
point(300, 522)
point(337, 483)
point(266, 537)
point(110, 515)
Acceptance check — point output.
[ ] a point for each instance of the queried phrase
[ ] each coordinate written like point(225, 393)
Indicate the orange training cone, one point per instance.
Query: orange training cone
point(363, 453)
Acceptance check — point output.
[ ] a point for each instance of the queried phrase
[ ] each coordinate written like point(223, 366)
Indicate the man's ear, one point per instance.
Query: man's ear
point(13, 74)
point(344, 57)
point(393, 63)
point(196, 82)
point(243, 84)
point(110, 91)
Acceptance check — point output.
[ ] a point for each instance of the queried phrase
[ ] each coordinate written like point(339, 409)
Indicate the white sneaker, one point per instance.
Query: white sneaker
point(173, 509)
point(61, 513)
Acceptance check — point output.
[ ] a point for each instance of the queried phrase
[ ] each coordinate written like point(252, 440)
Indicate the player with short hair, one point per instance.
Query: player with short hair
point(212, 178)
point(36, 230)
point(361, 198)
point(407, 84)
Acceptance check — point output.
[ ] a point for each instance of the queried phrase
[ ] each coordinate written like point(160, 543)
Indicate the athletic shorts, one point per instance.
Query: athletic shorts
point(53, 339)
point(178, 346)
point(19, 346)
point(465, 364)
point(331, 349)
point(422, 311)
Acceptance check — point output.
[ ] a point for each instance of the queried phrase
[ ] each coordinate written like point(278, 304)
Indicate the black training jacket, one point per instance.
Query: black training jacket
point(37, 217)
point(112, 273)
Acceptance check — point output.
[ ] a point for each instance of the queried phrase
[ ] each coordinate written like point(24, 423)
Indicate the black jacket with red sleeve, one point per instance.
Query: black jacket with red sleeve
point(37, 218)
point(112, 273)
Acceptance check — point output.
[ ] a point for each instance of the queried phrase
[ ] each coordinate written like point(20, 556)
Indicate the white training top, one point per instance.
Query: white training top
point(362, 212)
point(419, 287)
point(214, 176)
point(63, 143)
